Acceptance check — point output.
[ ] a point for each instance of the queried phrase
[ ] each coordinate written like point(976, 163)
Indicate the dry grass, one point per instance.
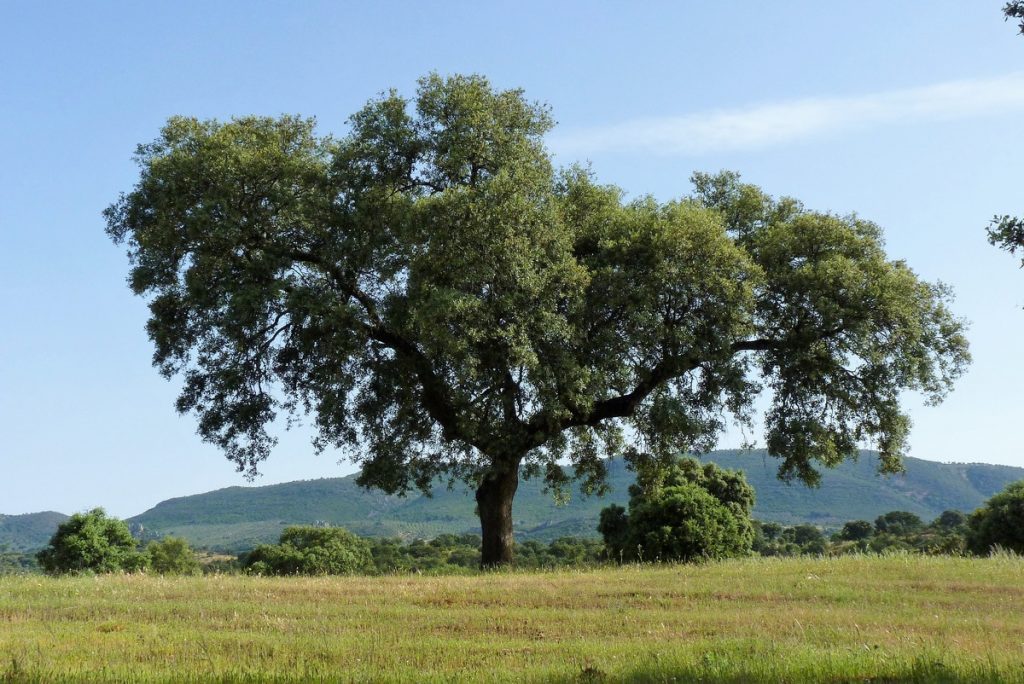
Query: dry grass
point(845, 619)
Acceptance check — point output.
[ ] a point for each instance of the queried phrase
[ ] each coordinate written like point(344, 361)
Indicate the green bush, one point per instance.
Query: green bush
point(92, 542)
point(312, 551)
point(682, 511)
point(172, 556)
point(999, 523)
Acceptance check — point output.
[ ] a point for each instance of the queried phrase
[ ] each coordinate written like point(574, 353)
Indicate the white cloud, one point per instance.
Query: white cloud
point(778, 123)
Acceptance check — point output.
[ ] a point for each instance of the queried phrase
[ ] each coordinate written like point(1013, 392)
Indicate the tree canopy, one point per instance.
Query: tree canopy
point(172, 556)
point(999, 523)
point(445, 302)
point(681, 511)
point(91, 542)
point(311, 551)
point(1015, 10)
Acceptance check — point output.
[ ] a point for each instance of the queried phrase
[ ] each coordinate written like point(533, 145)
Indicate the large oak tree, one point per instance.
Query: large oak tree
point(446, 303)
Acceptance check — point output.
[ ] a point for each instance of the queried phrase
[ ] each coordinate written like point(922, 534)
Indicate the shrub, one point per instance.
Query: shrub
point(172, 556)
point(1000, 522)
point(92, 542)
point(312, 551)
point(682, 511)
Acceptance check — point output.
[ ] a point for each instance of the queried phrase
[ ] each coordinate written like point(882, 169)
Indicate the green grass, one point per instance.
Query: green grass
point(846, 619)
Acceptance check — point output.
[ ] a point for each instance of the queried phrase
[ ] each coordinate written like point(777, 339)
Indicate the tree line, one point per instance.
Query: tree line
point(679, 511)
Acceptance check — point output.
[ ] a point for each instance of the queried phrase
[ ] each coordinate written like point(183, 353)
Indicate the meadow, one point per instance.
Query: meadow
point(853, 618)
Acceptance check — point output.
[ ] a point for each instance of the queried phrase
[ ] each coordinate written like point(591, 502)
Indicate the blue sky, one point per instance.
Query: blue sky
point(906, 113)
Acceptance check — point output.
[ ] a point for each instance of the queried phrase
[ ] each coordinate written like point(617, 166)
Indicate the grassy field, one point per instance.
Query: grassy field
point(846, 619)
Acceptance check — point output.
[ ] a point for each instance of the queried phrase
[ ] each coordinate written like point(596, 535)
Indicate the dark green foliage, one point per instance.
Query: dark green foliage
point(855, 530)
point(613, 525)
point(444, 554)
point(1015, 10)
point(681, 511)
point(899, 523)
point(312, 551)
point(950, 521)
point(999, 523)
point(1005, 231)
point(809, 538)
point(767, 531)
point(685, 523)
point(172, 556)
point(944, 535)
point(448, 304)
point(772, 539)
point(92, 542)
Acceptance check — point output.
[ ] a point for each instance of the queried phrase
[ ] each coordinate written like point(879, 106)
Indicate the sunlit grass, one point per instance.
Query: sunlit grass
point(844, 619)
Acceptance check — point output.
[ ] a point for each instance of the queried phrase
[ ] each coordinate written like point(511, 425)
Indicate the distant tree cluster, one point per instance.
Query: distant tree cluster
point(773, 539)
point(893, 531)
point(678, 511)
point(15, 562)
point(335, 551)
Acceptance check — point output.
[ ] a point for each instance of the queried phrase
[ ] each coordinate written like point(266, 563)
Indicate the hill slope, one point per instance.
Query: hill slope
point(29, 531)
point(236, 518)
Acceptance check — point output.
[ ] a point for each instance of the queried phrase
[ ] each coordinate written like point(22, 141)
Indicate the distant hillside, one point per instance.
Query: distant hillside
point(236, 518)
point(29, 531)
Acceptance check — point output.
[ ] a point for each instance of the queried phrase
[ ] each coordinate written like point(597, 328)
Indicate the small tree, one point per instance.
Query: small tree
point(856, 530)
point(312, 551)
point(809, 538)
point(898, 523)
point(92, 542)
point(1000, 522)
point(172, 556)
point(950, 521)
point(682, 511)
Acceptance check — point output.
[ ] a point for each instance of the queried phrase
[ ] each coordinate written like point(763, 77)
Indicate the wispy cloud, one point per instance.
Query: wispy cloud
point(778, 123)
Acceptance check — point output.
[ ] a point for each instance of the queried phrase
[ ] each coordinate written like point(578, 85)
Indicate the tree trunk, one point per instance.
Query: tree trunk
point(494, 505)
